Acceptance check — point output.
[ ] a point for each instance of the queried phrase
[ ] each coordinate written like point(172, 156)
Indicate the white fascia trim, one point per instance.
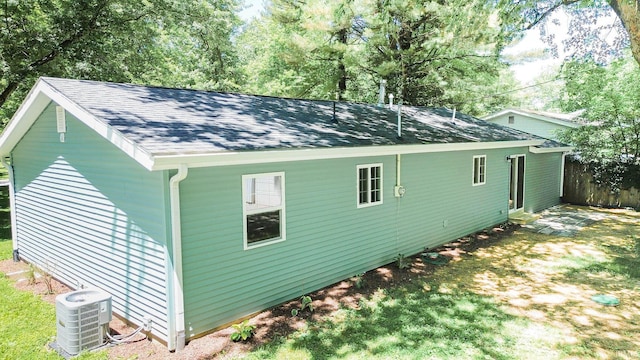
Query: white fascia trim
point(33, 105)
point(537, 150)
point(165, 162)
point(498, 114)
point(566, 123)
point(39, 98)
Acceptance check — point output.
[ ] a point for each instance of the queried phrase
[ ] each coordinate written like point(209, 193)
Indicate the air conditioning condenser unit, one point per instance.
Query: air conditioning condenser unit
point(82, 319)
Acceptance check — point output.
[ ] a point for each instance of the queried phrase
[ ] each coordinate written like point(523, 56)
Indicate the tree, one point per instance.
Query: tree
point(518, 16)
point(160, 42)
point(610, 96)
point(435, 53)
point(303, 49)
point(429, 53)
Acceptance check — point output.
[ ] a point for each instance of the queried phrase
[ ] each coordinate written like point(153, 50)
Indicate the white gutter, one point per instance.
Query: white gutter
point(562, 174)
point(224, 158)
point(176, 339)
point(537, 150)
point(12, 207)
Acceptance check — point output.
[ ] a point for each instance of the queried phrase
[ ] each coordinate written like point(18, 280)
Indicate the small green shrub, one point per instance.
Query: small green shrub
point(305, 303)
point(243, 331)
point(359, 280)
point(403, 262)
point(31, 274)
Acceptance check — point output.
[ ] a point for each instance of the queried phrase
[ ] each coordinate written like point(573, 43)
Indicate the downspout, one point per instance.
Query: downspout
point(176, 339)
point(12, 209)
point(564, 155)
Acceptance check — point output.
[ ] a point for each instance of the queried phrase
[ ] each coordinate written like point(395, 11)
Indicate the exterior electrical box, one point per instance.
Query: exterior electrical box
point(82, 319)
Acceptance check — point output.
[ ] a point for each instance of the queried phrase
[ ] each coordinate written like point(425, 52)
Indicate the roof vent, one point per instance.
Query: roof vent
point(61, 122)
point(381, 93)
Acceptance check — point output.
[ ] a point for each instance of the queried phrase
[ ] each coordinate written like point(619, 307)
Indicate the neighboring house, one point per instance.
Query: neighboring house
point(198, 208)
point(541, 123)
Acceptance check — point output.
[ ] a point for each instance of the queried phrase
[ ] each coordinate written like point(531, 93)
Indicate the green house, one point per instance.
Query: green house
point(197, 208)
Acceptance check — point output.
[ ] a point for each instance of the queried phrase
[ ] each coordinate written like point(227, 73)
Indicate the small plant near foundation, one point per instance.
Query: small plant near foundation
point(243, 331)
point(359, 280)
point(34, 272)
point(402, 261)
point(47, 278)
point(31, 274)
point(305, 303)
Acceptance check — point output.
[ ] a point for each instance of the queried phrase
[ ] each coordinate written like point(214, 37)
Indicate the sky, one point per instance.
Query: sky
point(252, 9)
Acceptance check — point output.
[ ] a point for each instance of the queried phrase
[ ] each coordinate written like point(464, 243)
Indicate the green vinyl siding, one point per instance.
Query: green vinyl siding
point(328, 237)
point(92, 216)
point(542, 184)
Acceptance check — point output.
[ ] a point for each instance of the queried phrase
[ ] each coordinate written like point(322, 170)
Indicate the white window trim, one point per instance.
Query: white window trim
point(283, 232)
point(473, 171)
point(368, 203)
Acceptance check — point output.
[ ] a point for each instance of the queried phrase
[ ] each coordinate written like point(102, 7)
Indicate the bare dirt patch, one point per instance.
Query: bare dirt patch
point(278, 321)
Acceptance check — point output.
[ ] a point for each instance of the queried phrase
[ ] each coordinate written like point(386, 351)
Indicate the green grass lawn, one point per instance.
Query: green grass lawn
point(528, 297)
point(419, 321)
point(27, 323)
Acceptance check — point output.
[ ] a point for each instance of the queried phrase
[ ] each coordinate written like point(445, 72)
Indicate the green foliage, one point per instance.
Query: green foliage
point(359, 281)
point(608, 143)
point(432, 54)
point(609, 95)
point(403, 262)
point(243, 331)
point(305, 303)
point(31, 274)
point(157, 42)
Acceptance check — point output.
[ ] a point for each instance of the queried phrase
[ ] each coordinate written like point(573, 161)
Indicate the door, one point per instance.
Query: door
point(516, 183)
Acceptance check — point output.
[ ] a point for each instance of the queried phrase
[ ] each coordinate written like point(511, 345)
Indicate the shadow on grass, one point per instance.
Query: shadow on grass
point(413, 322)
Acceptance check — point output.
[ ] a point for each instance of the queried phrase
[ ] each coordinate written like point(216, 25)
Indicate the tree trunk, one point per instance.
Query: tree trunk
point(342, 70)
point(7, 92)
point(628, 12)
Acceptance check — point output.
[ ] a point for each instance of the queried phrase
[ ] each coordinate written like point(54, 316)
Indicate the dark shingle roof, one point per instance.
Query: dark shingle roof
point(174, 121)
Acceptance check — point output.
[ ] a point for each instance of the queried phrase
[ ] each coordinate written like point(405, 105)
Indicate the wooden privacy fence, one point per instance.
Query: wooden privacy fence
point(581, 189)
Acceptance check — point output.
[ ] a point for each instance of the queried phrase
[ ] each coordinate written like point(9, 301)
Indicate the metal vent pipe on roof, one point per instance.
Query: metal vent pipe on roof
point(381, 93)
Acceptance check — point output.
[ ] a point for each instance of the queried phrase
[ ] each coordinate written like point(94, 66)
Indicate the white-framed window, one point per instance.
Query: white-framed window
point(479, 169)
point(369, 185)
point(512, 119)
point(263, 209)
